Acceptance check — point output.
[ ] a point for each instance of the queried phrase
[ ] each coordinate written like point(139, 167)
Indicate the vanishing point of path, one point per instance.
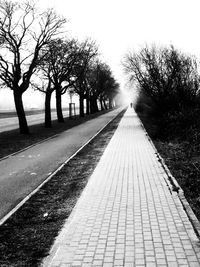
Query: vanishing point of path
point(127, 215)
point(21, 173)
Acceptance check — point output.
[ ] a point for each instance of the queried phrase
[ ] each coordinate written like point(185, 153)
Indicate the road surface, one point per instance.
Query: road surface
point(21, 173)
point(7, 124)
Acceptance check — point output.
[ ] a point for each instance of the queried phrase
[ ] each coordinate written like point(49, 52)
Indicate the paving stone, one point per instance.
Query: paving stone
point(126, 215)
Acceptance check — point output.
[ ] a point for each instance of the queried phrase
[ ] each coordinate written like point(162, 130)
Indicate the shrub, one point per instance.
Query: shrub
point(166, 76)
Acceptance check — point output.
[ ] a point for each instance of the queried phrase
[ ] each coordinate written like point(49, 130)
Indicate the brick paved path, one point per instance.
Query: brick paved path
point(127, 215)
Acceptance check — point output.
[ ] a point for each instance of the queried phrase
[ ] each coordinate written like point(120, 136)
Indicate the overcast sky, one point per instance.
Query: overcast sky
point(122, 25)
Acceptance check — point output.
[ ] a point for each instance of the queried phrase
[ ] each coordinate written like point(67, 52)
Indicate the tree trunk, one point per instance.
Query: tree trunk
point(101, 103)
point(105, 106)
point(23, 126)
point(87, 105)
point(81, 106)
point(59, 106)
point(48, 123)
point(96, 105)
point(110, 103)
point(92, 105)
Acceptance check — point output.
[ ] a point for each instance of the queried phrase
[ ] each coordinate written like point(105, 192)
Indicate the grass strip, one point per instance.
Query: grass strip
point(27, 236)
point(181, 154)
point(13, 141)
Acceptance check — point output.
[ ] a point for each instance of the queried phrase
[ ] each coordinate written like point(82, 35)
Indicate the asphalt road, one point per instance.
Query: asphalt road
point(20, 174)
point(7, 124)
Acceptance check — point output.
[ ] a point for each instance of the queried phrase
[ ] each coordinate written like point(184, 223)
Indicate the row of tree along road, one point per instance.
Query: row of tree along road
point(168, 83)
point(35, 53)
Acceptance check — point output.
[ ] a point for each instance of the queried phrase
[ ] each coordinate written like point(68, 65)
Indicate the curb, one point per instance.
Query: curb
point(10, 213)
point(175, 187)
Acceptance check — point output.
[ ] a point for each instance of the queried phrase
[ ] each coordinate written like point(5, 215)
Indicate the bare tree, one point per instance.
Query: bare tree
point(167, 76)
point(24, 33)
point(88, 52)
point(45, 86)
point(56, 73)
point(63, 76)
point(103, 87)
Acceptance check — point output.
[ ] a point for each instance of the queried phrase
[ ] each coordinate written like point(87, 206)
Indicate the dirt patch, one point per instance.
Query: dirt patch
point(28, 235)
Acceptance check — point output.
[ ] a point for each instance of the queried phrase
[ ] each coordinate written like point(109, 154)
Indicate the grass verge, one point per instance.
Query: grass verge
point(12, 141)
point(179, 147)
point(27, 236)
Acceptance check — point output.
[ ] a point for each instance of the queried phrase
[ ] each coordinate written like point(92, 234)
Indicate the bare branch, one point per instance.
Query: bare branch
point(17, 32)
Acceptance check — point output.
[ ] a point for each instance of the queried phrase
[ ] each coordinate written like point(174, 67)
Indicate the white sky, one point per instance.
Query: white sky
point(122, 25)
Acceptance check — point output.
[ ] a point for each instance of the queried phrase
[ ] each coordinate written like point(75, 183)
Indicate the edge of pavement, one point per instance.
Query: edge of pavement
point(174, 187)
point(12, 211)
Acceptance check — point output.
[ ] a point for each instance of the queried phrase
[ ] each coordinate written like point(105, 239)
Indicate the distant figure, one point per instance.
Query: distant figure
point(131, 104)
